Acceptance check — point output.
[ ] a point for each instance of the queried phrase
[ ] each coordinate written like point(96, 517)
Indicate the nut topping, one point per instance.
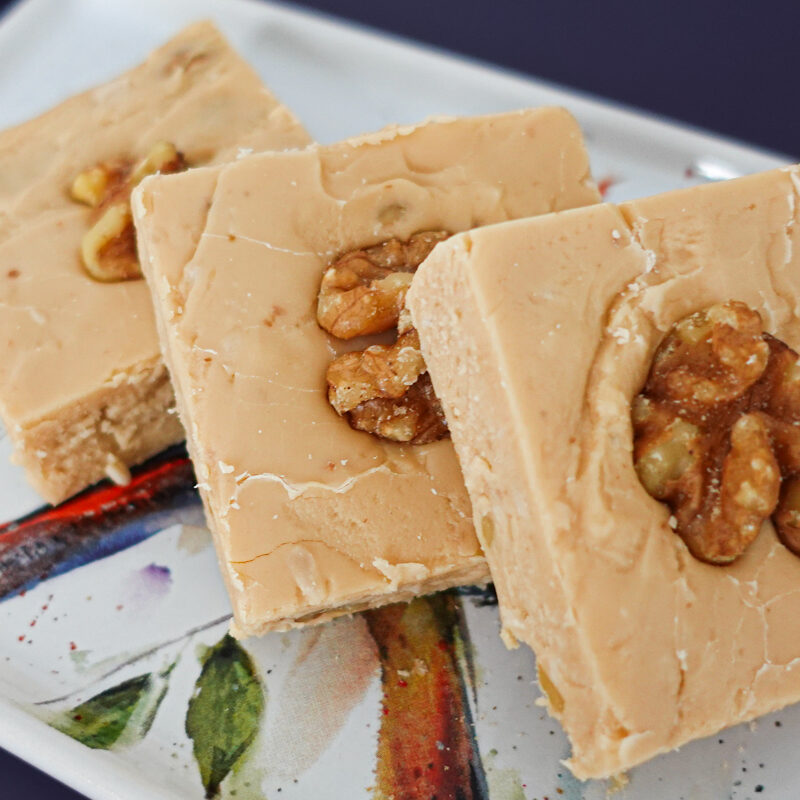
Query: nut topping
point(90, 187)
point(379, 371)
point(108, 248)
point(364, 291)
point(716, 432)
point(386, 390)
point(416, 417)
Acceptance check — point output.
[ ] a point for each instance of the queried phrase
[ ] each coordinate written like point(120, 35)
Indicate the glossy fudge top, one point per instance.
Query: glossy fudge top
point(313, 518)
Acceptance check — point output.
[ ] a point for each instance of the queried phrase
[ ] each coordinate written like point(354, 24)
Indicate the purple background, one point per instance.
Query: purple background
point(726, 66)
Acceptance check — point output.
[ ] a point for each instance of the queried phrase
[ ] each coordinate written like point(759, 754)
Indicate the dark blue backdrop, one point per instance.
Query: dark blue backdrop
point(724, 65)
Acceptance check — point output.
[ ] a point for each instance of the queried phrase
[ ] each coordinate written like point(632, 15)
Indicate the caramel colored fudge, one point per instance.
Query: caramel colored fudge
point(539, 334)
point(311, 517)
point(83, 389)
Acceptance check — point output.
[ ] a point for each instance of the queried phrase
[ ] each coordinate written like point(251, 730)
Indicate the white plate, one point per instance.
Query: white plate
point(311, 721)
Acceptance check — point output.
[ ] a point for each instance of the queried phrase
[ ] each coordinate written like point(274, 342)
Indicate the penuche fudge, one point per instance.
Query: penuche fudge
point(264, 311)
point(84, 392)
point(622, 388)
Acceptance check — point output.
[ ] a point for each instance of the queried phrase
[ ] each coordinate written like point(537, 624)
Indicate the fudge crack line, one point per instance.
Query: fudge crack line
point(748, 594)
point(251, 240)
point(299, 544)
point(747, 597)
point(31, 311)
point(296, 489)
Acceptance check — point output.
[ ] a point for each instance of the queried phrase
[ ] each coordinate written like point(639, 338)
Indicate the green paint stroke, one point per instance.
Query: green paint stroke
point(122, 714)
point(504, 783)
point(224, 713)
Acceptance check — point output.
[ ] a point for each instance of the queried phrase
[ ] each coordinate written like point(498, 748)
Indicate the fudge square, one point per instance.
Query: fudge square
point(311, 517)
point(538, 335)
point(83, 389)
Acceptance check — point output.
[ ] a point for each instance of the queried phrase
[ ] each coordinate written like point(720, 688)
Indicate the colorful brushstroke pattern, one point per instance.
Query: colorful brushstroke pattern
point(426, 744)
point(97, 523)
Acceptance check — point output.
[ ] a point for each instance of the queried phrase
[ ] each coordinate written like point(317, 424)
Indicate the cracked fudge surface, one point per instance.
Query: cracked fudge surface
point(538, 335)
point(83, 388)
point(312, 518)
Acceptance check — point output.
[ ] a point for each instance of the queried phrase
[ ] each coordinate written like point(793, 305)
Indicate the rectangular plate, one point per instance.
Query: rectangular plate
point(389, 701)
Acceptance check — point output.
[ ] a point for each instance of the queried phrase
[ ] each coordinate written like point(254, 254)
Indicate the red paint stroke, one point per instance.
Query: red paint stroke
point(604, 184)
point(96, 523)
point(426, 746)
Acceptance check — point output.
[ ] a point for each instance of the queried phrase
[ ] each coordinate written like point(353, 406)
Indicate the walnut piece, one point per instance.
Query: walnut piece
point(90, 187)
point(415, 418)
point(108, 248)
point(717, 432)
point(364, 291)
point(386, 390)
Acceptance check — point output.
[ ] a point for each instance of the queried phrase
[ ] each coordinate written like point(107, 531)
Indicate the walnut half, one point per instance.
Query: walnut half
point(716, 432)
point(386, 390)
point(108, 248)
point(364, 291)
